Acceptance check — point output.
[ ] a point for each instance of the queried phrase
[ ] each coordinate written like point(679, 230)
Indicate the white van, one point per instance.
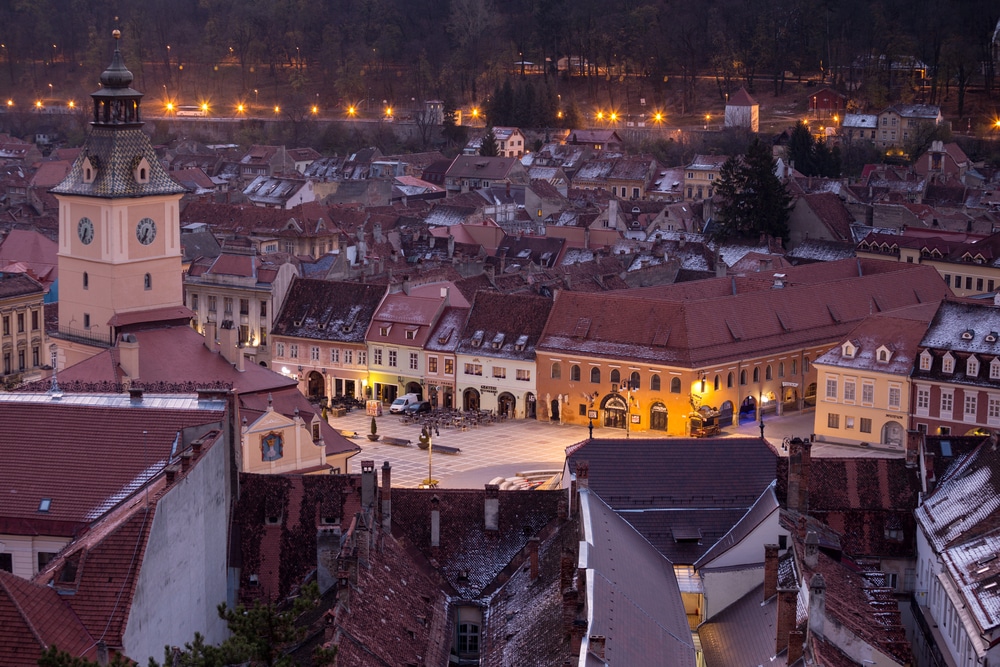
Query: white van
point(401, 402)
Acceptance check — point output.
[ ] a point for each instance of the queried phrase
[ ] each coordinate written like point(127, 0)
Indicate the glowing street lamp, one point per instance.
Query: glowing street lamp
point(475, 113)
point(170, 107)
point(38, 104)
point(10, 103)
point(613, 117)
point(658, 117)
point(204, 107)
point(351, 111)
point(600, 115)
point(241, 108)
point(71, 104)
point(314, 109)
point(388, 112)
point(277, 109)
point(996, 123)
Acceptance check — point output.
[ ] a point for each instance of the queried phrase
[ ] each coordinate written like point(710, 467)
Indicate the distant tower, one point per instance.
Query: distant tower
point(119, 227)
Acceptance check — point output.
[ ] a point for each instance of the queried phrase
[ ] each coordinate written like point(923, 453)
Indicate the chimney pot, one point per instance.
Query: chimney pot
point(185, 461)
point(796, 640)
point(386, 496)
point(597, 645)
point(135, 395)
point(435, 522)
point(492, 508)
point(583, 474)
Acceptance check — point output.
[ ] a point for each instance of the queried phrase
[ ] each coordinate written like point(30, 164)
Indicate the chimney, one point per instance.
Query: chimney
point(406, 285)
point(171, 473)
point(210, 335)
point(786, 617)
point(435, 522)
point(492, 513)
point(811, 556)
point(227, 342)
point(914, 445)
point(796, 641)
point(362, 535)
point(327, 549)
point(185, 461)
point(613, 213)
point(367, 484)
point(817, 605)
point(196, 448)
point(386, 497)
point(799, 459)
point(446, 296)
point(597, 641)
point(102, 653)
point(582, 474)
point(720, 267)
point(128, 355)
point(770, 570)
point(451, 246)
point(779, 280)
point(135, 396)
point(576, 633)
point(533, 557)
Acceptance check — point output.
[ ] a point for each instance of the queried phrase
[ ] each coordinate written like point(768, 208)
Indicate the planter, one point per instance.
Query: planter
point(374, 437)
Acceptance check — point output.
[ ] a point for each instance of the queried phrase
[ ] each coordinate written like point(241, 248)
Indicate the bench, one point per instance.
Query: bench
point(349, 434)
point(443, 449)
point(399, 442)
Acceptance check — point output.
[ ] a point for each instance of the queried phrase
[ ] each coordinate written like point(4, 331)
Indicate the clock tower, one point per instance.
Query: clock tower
point(119, 227)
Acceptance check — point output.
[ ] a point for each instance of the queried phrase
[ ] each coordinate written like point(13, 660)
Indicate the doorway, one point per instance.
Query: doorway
point(316, 386)
point(506, 404)
point(615, 411)
point(658, 417)
point(470, 400)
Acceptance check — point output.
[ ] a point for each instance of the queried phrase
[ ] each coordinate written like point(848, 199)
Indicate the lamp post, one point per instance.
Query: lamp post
point(425, 438)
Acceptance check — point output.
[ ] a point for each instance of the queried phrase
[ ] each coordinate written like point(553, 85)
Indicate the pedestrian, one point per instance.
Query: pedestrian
point(436, 431)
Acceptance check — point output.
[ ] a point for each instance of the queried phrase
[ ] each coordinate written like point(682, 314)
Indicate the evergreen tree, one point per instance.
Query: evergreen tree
point(752, 200)
point(800, 149)
point(826, 161)
point(452, 132)
point(489, 146)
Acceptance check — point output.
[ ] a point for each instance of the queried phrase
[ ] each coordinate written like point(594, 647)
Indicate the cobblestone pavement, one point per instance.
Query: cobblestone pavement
point(507, 448)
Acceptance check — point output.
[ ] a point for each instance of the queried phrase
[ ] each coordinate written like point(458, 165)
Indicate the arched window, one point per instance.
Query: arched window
point(805, 365)
point(729, 380)
point(781, 369)
point(86, 280)
point(574, 373)
point(756, 374)
point(556, 370)
point(795, 367)
point(743, 376)
point(767, 372)
point(715, 383)
point(675, 385)
point(595, 375)
point(654, 383)
point(634, 380)
point(142, 174)
point(147, 281)
point(616, 377)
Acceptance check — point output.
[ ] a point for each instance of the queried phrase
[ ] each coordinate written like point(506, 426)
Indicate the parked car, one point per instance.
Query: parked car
point(417, 408)
point(400, 403)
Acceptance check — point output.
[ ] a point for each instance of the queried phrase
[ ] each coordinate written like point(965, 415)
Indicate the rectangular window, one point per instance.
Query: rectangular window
point(867, 393)
point(44, 558)
point(6, 325)
point(993, 414)
point(6, 363)
point(34, 356)
point(263, 336)
point(20, 323)
point(866, 425)
point(833, 420)
point(293, 351)
point(34, 320)
point(86, 320)
point(947, 404)
point(524, 374)
point(7, 562)
point(263, 308)
point(279, 349)
point(947, 280)
point(849, 423)
point(895, 394)
point(244, 306)
point(849, 391)
point(362, 357)
point(499, 372)
point(335, 355)
point(449, 366)
point(971, 403)
point(392, 358)
point(212, 304)
point(20, 360)
point(473, 369)
point(831, 389)
point(227, 305)
point(377, 356)
point(432, 364)
point(923, 401)
point(244, 334)
point(979, 284)
point(968, 282)
point(314, 353)
point(414, 363)
point(194, 302)
point(349, 354)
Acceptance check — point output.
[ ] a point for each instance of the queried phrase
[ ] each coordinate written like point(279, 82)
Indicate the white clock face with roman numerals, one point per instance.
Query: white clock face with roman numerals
point(85, 230)
point(145, 231)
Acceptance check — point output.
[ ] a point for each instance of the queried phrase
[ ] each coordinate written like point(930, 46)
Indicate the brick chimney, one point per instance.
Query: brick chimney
point(786, 617)
point(210, 335)
point(386, 497)
point(327, 550)
point(435, 522)
point(796, 642)
point(817, 605)
point(102, 653)
point(363, 536)
point(914, 445)
point(533, 557)
point(367, 484)
point(799, 463)
point(128, 355)
point(811, 556)
point(576, 633)
point(492, 508)
point(583, 474)
point(770, 570)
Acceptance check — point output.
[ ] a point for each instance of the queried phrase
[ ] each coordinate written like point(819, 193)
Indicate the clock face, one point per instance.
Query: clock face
point(85, 230)
point(145, 231)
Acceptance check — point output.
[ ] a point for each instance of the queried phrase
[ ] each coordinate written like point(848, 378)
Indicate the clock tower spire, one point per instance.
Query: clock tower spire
point(119, 227)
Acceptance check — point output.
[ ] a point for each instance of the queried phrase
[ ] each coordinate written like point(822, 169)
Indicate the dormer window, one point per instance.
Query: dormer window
point(498, 341)
point(991, 337)
point(141, 173)
point(477, 338)
point(411, 334)
point(848, 350)
point(948, 363)
point(883, 354)
point(972, 366)
point(522, 342)
point(384, 329)
point(925, 360)
point(995, 369)
point(89, 171)
point(968, 334)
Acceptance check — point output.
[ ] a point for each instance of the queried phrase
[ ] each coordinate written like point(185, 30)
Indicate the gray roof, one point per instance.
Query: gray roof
point(766, 505)
point(744, 633)
point(635, 600)
point(114, 153)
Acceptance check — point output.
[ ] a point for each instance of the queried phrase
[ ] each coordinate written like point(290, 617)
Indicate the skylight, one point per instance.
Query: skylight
point(44, 505)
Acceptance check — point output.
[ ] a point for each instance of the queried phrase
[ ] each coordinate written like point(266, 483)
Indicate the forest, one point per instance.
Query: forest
point(374, 52)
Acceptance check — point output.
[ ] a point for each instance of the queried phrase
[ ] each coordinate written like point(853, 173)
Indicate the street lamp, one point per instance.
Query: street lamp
point(425, 439)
